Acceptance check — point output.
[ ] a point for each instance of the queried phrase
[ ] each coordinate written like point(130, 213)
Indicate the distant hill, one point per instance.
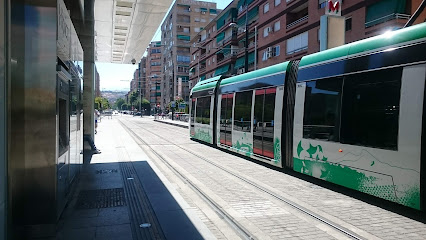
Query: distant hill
point(112, 96)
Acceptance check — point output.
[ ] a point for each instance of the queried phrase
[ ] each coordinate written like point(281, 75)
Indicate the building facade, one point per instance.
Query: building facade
point(184, 21)
point(97, 83)
point(282, 30)
point(153, 75)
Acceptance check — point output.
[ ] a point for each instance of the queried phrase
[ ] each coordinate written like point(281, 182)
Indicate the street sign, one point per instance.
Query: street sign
point(173, 104)
point(334, 7)
point(182, 105)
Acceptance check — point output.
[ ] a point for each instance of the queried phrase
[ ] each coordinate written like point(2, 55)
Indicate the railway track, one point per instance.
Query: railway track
point(243, 232)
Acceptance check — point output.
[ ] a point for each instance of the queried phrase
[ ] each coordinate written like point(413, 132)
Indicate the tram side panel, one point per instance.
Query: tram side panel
point(202, 126)
point(363, 131)
point(250, 123)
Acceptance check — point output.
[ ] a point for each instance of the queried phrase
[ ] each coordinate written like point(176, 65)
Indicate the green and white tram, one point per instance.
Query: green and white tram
point(352, 115)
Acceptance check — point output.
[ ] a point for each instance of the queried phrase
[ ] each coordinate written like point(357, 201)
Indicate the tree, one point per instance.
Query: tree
point(118, 103)
point(101, 103)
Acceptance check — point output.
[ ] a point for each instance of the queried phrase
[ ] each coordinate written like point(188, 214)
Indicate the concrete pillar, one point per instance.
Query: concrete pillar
point(3, 117)
point(332, 31)
point(87, 39)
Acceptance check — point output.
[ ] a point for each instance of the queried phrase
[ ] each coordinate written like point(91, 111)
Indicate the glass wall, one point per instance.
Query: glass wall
point(2, 122)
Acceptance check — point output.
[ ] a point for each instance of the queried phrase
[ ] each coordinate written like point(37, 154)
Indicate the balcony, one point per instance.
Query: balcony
point(387, 18)
point(298, 21)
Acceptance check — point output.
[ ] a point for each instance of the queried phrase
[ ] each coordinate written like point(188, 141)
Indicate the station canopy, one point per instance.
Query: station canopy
point(124, 29)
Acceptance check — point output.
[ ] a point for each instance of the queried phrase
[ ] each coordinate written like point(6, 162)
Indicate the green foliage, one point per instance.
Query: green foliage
point(118, 103)
point(102, 103)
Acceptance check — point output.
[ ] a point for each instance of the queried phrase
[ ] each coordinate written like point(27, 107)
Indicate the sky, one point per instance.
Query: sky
point(117, 77)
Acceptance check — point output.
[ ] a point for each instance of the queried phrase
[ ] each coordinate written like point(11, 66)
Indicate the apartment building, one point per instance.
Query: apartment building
point(282, 30)
point(184, 21)
point(220, 48)
point(153, 74)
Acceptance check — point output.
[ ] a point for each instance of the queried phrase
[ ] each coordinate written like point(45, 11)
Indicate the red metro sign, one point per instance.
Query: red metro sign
point(334, 8)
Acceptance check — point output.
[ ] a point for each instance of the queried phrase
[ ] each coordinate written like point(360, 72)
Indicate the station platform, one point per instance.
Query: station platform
point(121, 195)
point(127, 192)
point(172, 122)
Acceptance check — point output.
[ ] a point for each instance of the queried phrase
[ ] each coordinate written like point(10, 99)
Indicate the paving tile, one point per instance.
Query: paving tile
point(115, 232)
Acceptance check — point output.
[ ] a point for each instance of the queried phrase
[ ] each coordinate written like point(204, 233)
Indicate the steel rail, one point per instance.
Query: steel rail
point(240, 230)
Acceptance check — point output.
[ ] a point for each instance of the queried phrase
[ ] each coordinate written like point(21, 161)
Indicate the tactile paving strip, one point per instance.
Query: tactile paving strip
point(101, 198)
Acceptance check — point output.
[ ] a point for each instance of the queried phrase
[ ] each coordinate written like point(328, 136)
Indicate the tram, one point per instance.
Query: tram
point(352, 115)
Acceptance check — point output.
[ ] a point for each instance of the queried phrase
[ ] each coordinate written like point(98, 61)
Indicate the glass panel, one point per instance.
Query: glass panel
point(268, 123)
point(322, 109)
point(199, 110)
point(192, 112)
point(242, 110)
point(223, 120)
point(370, 109)
point(206, 110)
point(257, 122)
point(229, 105)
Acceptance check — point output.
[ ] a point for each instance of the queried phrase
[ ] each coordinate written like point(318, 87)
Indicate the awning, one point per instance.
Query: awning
point(220, 36)
point(202, 78)
point(184, 37)
point(213, 11)
point(203, 9)
point(253, 13)
point(251, 58)
point(221, 70)
point(383, 11)
point(240, 62)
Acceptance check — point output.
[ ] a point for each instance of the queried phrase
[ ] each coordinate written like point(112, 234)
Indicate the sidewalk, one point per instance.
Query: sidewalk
point(122, 195)
point(173, 122)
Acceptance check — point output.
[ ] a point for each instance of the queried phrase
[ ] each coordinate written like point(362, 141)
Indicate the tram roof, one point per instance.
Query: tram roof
point(277, 68)
point(376, 43)
point(206, 84)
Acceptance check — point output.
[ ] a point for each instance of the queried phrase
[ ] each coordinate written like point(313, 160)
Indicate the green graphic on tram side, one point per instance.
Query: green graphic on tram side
point(202, 135)
point(277, 151)
point(364, 180)
point(244, 145)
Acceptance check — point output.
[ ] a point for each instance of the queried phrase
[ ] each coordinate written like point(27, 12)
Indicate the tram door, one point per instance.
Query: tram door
point(63, 136)
point(263, 122)
point(226, 119)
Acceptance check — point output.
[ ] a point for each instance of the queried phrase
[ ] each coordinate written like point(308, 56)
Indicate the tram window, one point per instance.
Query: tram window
point(199, 110)
point(322, 109)
point(192, 111)
point(203, 110)
point(242, 111)
point(206, 110)
point(370, 109)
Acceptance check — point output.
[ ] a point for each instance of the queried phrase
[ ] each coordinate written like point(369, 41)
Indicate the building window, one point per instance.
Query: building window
point(183, 59)
point(277, 26)
point(203, 20)
point(208, 62)
point(322, 3)
point(214, 59)
point(266, 32)
point(276, 51)
point(297, 43)
point(266, 8)
point(186, 30)
point(196, 19)
point(277, 2)
point(348, 24)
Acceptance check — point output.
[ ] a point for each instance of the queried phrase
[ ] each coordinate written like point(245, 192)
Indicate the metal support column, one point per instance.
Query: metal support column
point(87, 39)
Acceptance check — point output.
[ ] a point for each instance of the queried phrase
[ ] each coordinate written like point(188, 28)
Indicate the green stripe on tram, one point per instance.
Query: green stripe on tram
point(396, 37)
point(206, 84)
point(281, 67)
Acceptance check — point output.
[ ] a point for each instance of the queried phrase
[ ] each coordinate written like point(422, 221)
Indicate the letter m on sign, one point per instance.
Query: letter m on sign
point(334, 8)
